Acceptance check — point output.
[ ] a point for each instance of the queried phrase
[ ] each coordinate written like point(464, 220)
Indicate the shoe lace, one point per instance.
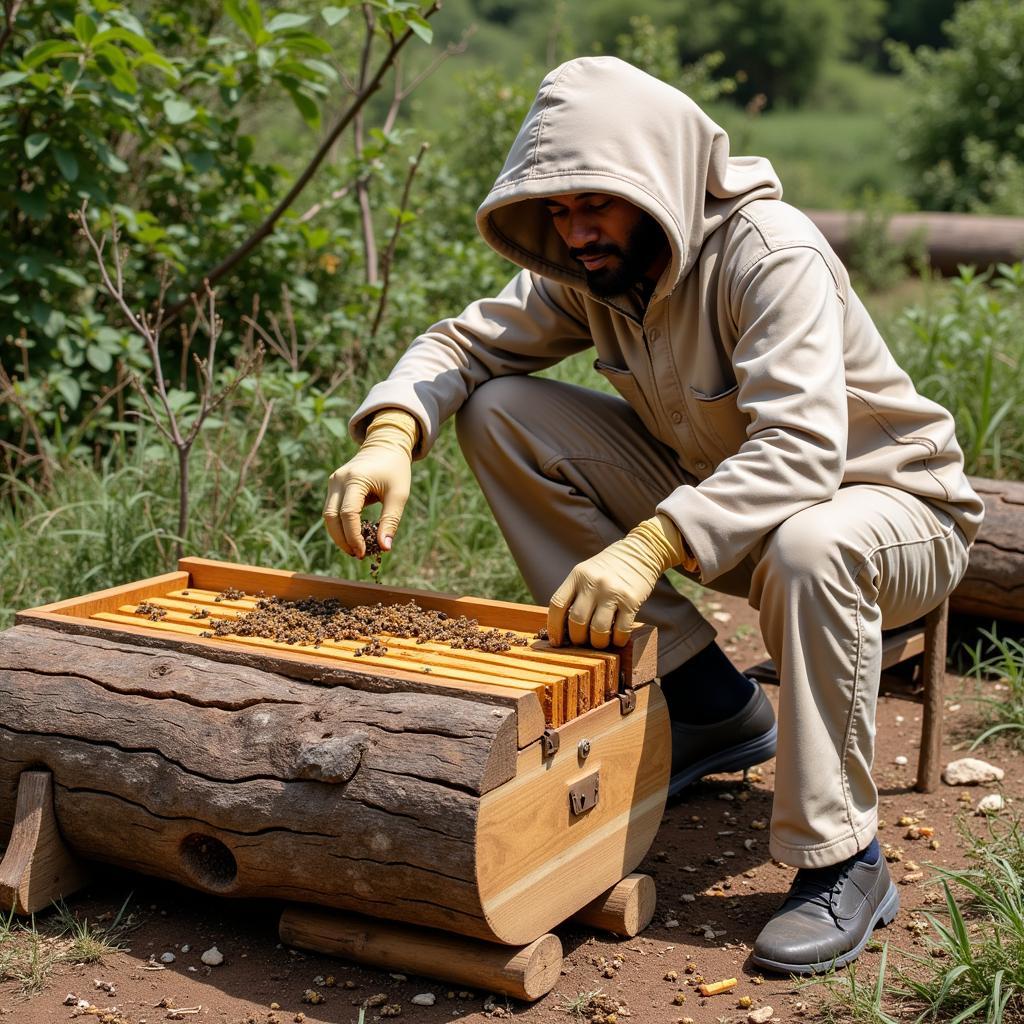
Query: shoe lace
point(821, 886)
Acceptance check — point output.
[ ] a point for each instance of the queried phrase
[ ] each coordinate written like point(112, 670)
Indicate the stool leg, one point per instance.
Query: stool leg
point(37, 867)
point(934, 676)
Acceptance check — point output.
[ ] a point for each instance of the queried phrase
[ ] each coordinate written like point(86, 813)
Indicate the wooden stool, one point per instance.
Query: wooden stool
point(926, 637)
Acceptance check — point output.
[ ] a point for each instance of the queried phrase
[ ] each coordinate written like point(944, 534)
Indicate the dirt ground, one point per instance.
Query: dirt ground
point(717, 885)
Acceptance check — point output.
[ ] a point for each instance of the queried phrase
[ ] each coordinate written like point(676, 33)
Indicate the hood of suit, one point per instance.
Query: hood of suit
point(599, 124)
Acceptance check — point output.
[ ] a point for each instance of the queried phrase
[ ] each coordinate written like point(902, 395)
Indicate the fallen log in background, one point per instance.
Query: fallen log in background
point(948, 238)
point(994, 583)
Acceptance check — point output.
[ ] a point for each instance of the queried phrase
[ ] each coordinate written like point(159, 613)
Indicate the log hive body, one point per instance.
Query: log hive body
point(993, 585)
point(255, 772)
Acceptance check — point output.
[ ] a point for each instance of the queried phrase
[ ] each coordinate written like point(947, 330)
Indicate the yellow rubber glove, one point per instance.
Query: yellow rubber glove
point(380, 471)
point(601, 596)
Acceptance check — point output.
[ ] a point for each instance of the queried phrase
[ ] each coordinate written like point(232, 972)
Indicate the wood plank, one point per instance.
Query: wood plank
point(525, 973)
point(544, 694)
point(110, 599)
point(530, 721)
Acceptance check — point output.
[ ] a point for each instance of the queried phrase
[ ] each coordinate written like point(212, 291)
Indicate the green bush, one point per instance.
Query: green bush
point(961, 128)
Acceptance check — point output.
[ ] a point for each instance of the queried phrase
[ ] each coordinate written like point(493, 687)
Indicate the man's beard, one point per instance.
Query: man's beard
point(644, 244)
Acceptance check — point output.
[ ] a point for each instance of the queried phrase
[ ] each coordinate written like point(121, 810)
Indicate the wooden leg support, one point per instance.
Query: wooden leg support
point(37, 867)
point(625, 909)
point(525, 973)
point(934, 677)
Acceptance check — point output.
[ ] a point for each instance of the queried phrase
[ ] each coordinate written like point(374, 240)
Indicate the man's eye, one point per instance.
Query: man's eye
point(556, 211)
point(597, 207)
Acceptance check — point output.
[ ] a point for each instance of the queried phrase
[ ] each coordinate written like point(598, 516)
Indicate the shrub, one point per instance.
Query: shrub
point(961, 127)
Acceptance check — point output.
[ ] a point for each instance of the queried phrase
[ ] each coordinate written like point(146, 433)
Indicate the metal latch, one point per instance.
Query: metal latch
point(583, 794)
point(627, 700)
point(549, 743)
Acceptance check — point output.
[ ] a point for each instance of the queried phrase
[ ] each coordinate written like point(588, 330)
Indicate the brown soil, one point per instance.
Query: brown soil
point(702, 845)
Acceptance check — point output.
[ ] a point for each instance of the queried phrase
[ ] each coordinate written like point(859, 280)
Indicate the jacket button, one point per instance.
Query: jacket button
point(702, 465)
point(677, 417)
point(653, 335)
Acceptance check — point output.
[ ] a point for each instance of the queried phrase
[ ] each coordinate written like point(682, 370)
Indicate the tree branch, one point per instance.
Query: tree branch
point(231, 261)
point(389, 254)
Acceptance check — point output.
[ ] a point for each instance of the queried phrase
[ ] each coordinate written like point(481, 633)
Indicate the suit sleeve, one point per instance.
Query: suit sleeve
point(789, 369)
point(531, 325)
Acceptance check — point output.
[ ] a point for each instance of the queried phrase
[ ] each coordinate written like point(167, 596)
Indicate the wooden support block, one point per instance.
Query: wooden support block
point(526, 973)
point(37, 867)
point(625, 909)
point(933, 677)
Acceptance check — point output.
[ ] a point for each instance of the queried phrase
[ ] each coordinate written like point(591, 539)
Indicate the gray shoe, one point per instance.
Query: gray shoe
point(731, 745)
point(827, 918)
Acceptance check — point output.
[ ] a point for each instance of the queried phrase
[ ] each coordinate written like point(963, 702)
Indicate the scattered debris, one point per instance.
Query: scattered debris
point(716, 988)
point(213, 957)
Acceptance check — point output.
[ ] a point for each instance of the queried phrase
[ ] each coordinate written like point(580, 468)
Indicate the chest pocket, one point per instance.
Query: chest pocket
point(717, 421)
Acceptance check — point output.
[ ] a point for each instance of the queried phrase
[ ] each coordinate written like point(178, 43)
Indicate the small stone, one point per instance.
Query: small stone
point(900, 759)
point(167, 958)
point(991, 804)
point(760, 1015)
point(672, 923)
point(71, 999)
point(391, 1010)
point(424, 999)
point(192, 970)
point(275, 1006)
point(213, 957)
point(744, 1003)
point(398, 977)
point(970, 771)
point(185, 948)
point(671, 976)
point(377, 1000)
point(312, 997)
point(760, 824)
point(688, 897)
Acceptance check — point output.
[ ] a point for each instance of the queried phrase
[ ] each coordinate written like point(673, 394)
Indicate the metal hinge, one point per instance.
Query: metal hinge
point(549, 742)
point(583, 795)
point(627, 700)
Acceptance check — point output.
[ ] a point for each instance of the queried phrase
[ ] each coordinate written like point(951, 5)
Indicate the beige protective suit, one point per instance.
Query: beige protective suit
point(763, 414)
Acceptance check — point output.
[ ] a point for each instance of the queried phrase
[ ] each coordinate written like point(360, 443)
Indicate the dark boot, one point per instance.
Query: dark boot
point(729, 745)
point(827, 917)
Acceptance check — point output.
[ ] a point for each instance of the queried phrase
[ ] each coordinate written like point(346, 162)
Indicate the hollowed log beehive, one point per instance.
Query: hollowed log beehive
point(440, 798)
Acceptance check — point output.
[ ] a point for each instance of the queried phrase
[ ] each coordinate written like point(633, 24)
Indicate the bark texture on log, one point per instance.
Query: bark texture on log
point(246, 783)
point(949, 238)
point(994, 583)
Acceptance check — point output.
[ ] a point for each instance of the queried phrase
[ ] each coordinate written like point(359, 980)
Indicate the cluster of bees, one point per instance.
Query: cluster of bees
point(312, 622)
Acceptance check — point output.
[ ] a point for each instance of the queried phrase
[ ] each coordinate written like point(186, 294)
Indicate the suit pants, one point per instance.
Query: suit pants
point(568, 471)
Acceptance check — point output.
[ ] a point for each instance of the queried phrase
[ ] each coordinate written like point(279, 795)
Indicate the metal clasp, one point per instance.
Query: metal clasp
point(583, 795)
point(549, 743)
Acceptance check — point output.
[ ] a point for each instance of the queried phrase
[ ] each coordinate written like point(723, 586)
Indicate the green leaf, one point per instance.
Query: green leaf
point(178, 111)
point(137, 42)
point(421, 27)
point(247, 15)
point(85, 28)
point(35, 144)
point(70, 390)
point(332, 15)
point(99, 358)
point(67, 163)
point(156, 60)
point(307, 108)
point(33, 204)
point(12, 78)
point(35, 55)
point(109, 158)
point(125, 81)
point(281, 22)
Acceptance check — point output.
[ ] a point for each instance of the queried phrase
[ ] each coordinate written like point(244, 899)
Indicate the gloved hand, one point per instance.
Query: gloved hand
point(601, 596)
point(380, 471)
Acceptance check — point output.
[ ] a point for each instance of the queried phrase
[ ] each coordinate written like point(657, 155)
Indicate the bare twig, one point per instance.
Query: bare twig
point(357, 104)
point(11, 9)
point(149, 326)
point(389, 254)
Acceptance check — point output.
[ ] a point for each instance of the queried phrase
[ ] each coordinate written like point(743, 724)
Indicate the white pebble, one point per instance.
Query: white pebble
point(991, 804)
point(969, 771)
point(212, 957)
point(900, 718)
point(399, 977)
point(192, 969)
point(761, 1015)
point(185, 948)
point(167, 958)
point(424, 999)
point(900, 759)
point(671, 923)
